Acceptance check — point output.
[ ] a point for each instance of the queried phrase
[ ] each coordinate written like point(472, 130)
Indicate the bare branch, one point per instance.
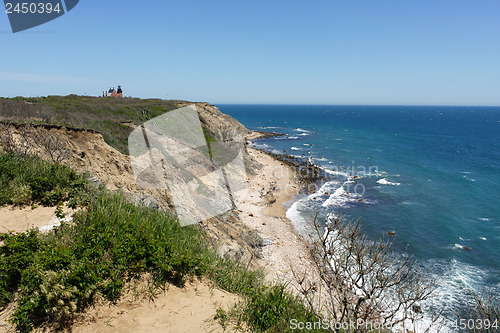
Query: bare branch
point(365, 280)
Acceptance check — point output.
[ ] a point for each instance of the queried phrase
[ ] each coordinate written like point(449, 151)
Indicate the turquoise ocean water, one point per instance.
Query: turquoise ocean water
point(432, 177)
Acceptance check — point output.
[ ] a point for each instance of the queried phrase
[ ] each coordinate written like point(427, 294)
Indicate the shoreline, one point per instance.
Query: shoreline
point(303, 263)
point(286, 251)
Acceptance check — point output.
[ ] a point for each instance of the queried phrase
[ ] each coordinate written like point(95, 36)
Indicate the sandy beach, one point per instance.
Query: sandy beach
point(264, 210)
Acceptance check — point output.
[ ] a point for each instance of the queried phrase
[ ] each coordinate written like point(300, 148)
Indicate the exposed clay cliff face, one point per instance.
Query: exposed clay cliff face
point(222, 126)
point(86, 151)
point(225, 128)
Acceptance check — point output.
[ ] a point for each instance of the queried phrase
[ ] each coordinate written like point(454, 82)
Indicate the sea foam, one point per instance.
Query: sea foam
point(384, 181)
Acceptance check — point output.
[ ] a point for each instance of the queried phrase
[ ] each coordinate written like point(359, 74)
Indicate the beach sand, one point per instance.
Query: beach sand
point(264, 210)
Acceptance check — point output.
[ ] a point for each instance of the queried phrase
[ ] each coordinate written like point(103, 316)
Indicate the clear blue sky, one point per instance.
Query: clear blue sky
point(427, 52)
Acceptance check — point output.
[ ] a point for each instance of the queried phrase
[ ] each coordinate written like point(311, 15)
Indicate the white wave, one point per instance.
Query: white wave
point(456, 282)
point(335, 172)
point(299, 222)
point(325, 189)
point(260, 145)
point(302, 130)
point(426, 324)
point(484, 219)
point(269, 127)
point(321, 159)
point(483, 238)
point(469, 179)
point(384, 181)
point(336, 196)
point(286, 137)
point(295, 148)
point(460, 247)
point(293, 213)
point(304, 134)
point(339, 198)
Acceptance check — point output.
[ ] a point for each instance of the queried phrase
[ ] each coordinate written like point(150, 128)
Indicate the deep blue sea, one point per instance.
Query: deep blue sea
point(432, 177)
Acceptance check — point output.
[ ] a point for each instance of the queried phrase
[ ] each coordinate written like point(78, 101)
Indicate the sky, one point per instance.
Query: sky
point(384, 52)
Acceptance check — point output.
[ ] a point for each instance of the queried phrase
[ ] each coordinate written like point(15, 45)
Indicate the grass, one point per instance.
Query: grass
point(28, 179)
point(111, 242)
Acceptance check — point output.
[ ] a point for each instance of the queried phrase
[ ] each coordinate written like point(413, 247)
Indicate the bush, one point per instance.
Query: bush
point(25, 179)
point(16, 255)
point(271, 308)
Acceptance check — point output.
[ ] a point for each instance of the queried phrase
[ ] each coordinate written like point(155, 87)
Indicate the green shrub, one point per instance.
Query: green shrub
point(25, 179)
point(271, 308)
point(16, 255)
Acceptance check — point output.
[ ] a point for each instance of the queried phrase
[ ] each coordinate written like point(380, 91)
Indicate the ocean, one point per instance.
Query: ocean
point(428, 174)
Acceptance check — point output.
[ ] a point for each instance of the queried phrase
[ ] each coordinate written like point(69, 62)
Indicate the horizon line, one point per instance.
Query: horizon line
point(342, 104)
point(278, 103)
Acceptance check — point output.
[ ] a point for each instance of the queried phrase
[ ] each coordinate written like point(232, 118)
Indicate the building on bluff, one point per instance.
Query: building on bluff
point(113, 92)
